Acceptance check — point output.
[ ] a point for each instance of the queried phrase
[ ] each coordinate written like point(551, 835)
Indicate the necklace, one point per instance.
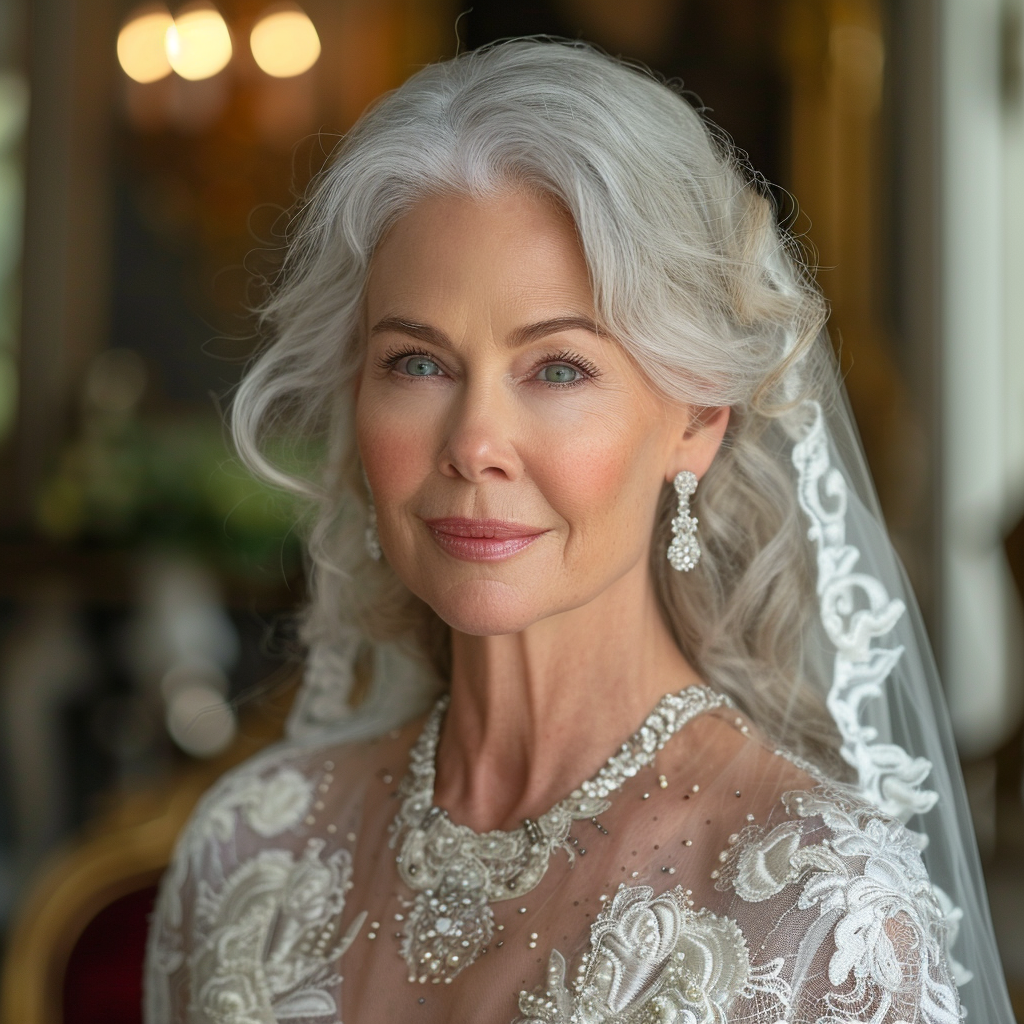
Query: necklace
point(457, 873)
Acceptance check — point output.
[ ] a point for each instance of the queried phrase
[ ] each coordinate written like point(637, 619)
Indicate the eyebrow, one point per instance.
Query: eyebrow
point(520, 336)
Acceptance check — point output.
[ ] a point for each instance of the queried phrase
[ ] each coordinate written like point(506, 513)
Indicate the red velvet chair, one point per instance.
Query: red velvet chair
point(76, 948)
point(103, 977)
point(75, 952)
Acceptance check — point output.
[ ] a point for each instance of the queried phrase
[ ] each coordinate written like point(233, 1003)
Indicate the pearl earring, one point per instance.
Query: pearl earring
point(684, 551)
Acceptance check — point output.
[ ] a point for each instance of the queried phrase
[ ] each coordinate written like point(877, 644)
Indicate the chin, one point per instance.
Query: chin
point(486, 608)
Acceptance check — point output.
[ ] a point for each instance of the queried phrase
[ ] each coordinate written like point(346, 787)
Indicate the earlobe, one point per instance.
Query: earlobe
point(701, 440)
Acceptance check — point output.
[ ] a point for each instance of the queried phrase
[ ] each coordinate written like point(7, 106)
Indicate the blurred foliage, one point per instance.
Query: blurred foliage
point(129, 483)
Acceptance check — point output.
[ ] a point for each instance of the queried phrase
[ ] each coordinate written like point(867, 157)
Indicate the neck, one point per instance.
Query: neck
point(535, 713)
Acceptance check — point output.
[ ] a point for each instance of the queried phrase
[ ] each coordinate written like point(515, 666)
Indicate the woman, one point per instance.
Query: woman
point(589, 490)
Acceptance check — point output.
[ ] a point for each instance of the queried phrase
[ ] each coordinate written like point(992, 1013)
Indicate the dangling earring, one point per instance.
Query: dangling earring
point(684, 551)
point(371, 538)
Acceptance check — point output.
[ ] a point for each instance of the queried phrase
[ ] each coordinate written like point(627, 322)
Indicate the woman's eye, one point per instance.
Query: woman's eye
point(559, 373)
point(419, 366)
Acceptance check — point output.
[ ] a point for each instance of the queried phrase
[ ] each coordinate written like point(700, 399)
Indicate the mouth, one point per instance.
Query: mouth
point(481, 540)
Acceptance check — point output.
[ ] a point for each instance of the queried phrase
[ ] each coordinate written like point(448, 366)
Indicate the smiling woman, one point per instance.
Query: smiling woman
point(621, 758)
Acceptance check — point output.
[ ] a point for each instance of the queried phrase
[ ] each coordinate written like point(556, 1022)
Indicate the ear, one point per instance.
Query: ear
point(700, 440)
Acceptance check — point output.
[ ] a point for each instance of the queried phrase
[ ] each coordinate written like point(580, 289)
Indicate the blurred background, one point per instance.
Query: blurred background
point(148, 160)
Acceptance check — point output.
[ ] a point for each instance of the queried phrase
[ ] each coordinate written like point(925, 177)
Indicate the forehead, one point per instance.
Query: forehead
point(517, 250)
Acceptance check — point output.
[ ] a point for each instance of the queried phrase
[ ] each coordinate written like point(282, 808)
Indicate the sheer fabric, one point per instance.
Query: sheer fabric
point(725, 882)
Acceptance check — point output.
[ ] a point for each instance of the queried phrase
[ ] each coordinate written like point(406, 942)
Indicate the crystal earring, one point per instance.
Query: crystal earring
point(684, 551)
point(371, 538)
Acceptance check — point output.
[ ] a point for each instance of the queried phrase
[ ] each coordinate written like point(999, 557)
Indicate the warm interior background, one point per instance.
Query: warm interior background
point(146, 581)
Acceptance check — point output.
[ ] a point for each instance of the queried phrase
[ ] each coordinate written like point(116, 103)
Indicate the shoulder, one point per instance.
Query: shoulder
point(739, 775)
point(830, 894)
point(268, 847)
point(281, 798)
point(826, 830)
point(269, 794)
point(830, 880)
point(285, 815)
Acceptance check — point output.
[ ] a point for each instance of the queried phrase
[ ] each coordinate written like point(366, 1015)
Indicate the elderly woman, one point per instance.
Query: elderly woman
point(616, 709)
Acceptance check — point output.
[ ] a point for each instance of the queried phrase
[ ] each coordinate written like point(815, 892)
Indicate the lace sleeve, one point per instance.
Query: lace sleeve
point(246, 921)
point(826, 916)
point(837, 901)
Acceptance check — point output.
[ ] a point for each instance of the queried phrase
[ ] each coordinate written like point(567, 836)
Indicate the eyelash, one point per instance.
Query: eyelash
point(577, 362)
point(393, 357)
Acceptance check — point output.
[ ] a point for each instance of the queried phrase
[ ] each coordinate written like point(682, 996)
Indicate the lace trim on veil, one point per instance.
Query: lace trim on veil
point(856, 610)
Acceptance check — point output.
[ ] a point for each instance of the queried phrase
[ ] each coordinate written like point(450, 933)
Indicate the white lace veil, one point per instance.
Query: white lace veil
point(868, 653)
point(883, 691)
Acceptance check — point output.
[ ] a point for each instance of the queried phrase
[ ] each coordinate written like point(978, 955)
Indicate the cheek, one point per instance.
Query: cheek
point(396, 449)
point(603, 480)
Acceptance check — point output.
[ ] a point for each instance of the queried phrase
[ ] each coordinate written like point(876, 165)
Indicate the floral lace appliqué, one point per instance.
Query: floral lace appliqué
point(653, 960)
point(273, 939)
point(874, 899)
point(270, 927)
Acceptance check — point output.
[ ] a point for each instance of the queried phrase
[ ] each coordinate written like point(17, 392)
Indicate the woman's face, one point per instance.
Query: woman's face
point(514, 454)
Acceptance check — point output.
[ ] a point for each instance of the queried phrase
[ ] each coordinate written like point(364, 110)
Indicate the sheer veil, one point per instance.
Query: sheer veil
point(884, 693)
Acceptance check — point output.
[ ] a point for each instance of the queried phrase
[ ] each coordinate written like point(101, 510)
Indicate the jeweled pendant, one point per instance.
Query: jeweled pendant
point(445, 932)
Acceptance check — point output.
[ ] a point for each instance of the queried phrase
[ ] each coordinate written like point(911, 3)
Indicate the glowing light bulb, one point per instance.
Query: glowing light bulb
point(284, 43)
point(140, 44)
point(198, 43)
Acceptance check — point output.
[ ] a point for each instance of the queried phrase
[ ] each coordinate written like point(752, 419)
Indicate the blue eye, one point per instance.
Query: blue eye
point(559, 373)
point(420, 366)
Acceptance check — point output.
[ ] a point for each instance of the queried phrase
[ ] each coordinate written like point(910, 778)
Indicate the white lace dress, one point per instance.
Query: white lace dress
point(701, 877)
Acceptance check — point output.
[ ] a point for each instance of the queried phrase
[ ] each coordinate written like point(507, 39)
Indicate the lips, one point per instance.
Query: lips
point(481, 540)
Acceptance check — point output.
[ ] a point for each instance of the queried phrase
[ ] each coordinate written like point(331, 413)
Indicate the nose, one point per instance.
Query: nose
point(478, 442)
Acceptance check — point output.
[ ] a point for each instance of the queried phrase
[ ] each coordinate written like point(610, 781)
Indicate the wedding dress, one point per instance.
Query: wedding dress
point(720, 880)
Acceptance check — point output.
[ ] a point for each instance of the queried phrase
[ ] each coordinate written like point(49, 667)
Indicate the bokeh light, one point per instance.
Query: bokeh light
point(198, 716)
point(285, 43)
point(115, 381)
point(141, 48)
point(200, 721)
point(198, 43)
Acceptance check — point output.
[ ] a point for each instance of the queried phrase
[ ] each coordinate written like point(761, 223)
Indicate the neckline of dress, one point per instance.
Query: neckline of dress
point(666, 718)
point(456, 873)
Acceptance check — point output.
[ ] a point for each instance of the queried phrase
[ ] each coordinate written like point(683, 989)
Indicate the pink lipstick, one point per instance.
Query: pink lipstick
point(481, 540)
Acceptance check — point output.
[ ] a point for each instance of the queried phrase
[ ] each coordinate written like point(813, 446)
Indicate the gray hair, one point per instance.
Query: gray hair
point(691, 274)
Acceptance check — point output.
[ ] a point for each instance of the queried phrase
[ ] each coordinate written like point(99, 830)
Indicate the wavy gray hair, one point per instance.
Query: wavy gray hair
point(691, 274)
